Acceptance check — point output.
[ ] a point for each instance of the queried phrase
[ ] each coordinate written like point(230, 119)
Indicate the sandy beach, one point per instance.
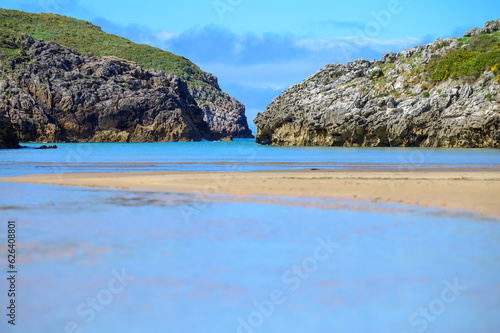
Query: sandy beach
point(471, 190)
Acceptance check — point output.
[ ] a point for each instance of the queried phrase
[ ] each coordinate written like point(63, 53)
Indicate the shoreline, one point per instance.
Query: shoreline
point(470, 190)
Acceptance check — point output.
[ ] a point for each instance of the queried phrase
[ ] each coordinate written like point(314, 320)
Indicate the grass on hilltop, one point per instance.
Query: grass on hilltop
point(84, 37)
point(475, 55)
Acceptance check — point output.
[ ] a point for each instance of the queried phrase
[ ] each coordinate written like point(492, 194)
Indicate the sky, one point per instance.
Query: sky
point(257, 48)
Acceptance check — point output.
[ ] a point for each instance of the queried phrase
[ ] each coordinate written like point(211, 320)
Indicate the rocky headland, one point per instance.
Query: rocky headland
point(224, 114)
point(442, 94)
point(73, 82)
point(52, 94)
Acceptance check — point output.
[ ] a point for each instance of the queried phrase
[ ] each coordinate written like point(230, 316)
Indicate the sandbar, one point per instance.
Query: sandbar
point(468, 190)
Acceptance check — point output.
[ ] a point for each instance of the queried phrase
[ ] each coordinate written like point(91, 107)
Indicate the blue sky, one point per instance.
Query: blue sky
point(257, 48)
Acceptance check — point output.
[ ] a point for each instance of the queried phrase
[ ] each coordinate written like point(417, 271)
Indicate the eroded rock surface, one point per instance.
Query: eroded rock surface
point(52, 94)
point(387, 103)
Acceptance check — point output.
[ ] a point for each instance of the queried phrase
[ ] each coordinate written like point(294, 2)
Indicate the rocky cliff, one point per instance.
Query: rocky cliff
point(443, 94)
point(52, 93)
point(224, 114)
point(8, 136)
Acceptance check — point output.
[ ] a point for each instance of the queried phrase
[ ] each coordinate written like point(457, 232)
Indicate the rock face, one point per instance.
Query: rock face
point(490, 26)
point(51, 93)
point(223, 113)
point(387, 103)
point(8, 136)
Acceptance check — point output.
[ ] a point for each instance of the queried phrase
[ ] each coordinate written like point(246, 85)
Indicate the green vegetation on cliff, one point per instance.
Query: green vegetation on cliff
point(474, 55)
point(85, 38)
point(460, 59)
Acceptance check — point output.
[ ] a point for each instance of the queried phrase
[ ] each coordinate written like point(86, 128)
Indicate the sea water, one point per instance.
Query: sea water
point(100, 260)
point(240, 155)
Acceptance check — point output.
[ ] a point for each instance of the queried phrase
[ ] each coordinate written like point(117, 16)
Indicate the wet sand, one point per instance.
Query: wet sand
point(471, 190)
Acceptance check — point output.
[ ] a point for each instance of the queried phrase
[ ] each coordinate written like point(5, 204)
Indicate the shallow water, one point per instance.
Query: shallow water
point(240, 155)
point(215, 264)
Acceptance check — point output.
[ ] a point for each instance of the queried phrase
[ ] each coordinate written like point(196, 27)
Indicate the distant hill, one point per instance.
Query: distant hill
point(223, 113)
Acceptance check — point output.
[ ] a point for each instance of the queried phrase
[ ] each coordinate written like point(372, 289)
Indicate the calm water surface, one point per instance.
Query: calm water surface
point(92, 260)
point(241, 155)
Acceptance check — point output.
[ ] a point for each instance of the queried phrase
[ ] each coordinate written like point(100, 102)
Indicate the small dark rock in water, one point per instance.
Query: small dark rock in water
point(47, 147)
point(227, 139)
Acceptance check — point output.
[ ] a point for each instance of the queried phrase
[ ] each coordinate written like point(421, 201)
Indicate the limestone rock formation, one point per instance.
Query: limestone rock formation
point(490, 26)
point(389, 103)
point(224, 114)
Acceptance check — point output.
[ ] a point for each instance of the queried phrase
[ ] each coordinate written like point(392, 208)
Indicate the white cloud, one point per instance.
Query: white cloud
point(382, 45)
point(323, 44)
point(165, 36)
point(275, 76)
point(317, 44)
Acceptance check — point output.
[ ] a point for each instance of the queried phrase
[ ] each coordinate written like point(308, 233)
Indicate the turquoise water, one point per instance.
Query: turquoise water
point(95, 260)
point(241, 155)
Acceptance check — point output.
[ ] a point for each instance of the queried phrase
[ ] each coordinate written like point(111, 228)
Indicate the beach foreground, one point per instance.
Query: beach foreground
point(470, 190)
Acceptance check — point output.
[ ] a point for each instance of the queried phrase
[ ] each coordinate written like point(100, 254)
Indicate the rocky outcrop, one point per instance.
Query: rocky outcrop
point(8, 136)
point(387, 103)
point(490, 26)
point(51, 93)
point(223, 113)
point(47, 147)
